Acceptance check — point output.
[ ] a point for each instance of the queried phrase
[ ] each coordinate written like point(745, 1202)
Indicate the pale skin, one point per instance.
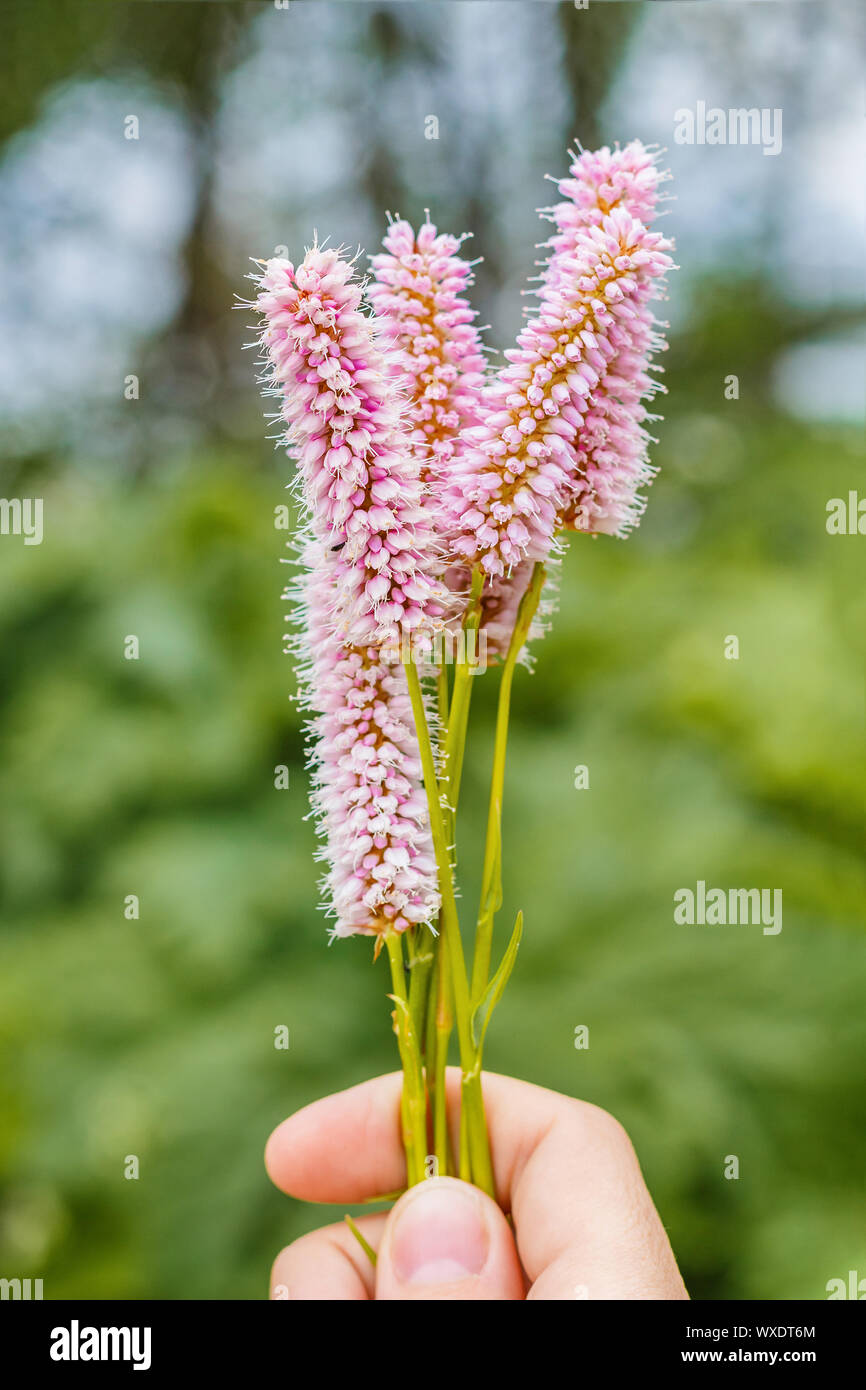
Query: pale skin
point(580, 1221)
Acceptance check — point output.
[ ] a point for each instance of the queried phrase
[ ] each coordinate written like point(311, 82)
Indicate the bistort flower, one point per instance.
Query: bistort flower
point(612, 462)
point(524, 473)
point(522, 467)
point(367, 785)
point(601, 180)
point(419, 296)
point(358, 472)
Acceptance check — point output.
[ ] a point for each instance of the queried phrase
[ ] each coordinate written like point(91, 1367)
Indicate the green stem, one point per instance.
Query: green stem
point(478, 1167)
point(421, 944)
point(453, 720)
point(493, 844)
point(442, 696)
point(430, 1020)
point(439, 1097)
point(458, 715)
point(465, 1159)
point(413, 1109)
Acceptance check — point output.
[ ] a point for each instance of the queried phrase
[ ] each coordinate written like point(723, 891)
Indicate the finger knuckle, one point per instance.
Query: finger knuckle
point(604, 1128)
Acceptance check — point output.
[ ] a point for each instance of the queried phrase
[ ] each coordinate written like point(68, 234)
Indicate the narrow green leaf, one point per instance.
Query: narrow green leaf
point(493, 896)
point(490, 998)
point(364, 1244)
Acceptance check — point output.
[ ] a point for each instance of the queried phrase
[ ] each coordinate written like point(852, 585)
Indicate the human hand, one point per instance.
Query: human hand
point(584, 1224)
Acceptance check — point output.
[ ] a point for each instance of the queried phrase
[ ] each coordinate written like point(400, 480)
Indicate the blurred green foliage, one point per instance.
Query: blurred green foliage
point(155, 1036)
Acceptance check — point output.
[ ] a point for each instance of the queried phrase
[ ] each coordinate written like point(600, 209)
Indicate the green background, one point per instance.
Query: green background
point(155, 1037)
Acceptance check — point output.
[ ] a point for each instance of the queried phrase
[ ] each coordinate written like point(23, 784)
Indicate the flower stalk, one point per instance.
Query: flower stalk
point(413, 1103)
point(491, 880)
point(475, 1163)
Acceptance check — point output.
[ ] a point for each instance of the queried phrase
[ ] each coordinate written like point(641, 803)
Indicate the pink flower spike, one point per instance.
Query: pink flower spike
point(612, 455)
point(601, 180)
point(367, 785)
point(524, 462)
point(359, 477)
point(419, 295)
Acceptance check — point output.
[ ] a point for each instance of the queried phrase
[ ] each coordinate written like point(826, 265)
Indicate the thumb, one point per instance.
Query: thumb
point(445, 1239)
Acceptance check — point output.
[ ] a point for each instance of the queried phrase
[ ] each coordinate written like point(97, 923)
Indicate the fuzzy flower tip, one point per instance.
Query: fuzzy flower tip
point(601, 180)
point(612, 461)
point(524, 473)
point(367, 788)
point(358, 473)
point(419, 295)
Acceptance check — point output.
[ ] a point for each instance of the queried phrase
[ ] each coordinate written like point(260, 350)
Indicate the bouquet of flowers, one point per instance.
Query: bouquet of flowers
point(436, 493)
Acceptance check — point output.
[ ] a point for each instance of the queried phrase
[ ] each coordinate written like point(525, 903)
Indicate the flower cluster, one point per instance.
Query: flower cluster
point(360, 480)
point(612, 450)
point(416, 465)
point(600, 181)
point(367, 785)
point(525, 472)
point(419, 295)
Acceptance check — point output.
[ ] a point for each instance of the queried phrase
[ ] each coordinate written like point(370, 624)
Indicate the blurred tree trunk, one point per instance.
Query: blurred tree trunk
point(189, 47)
point(593, 43)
